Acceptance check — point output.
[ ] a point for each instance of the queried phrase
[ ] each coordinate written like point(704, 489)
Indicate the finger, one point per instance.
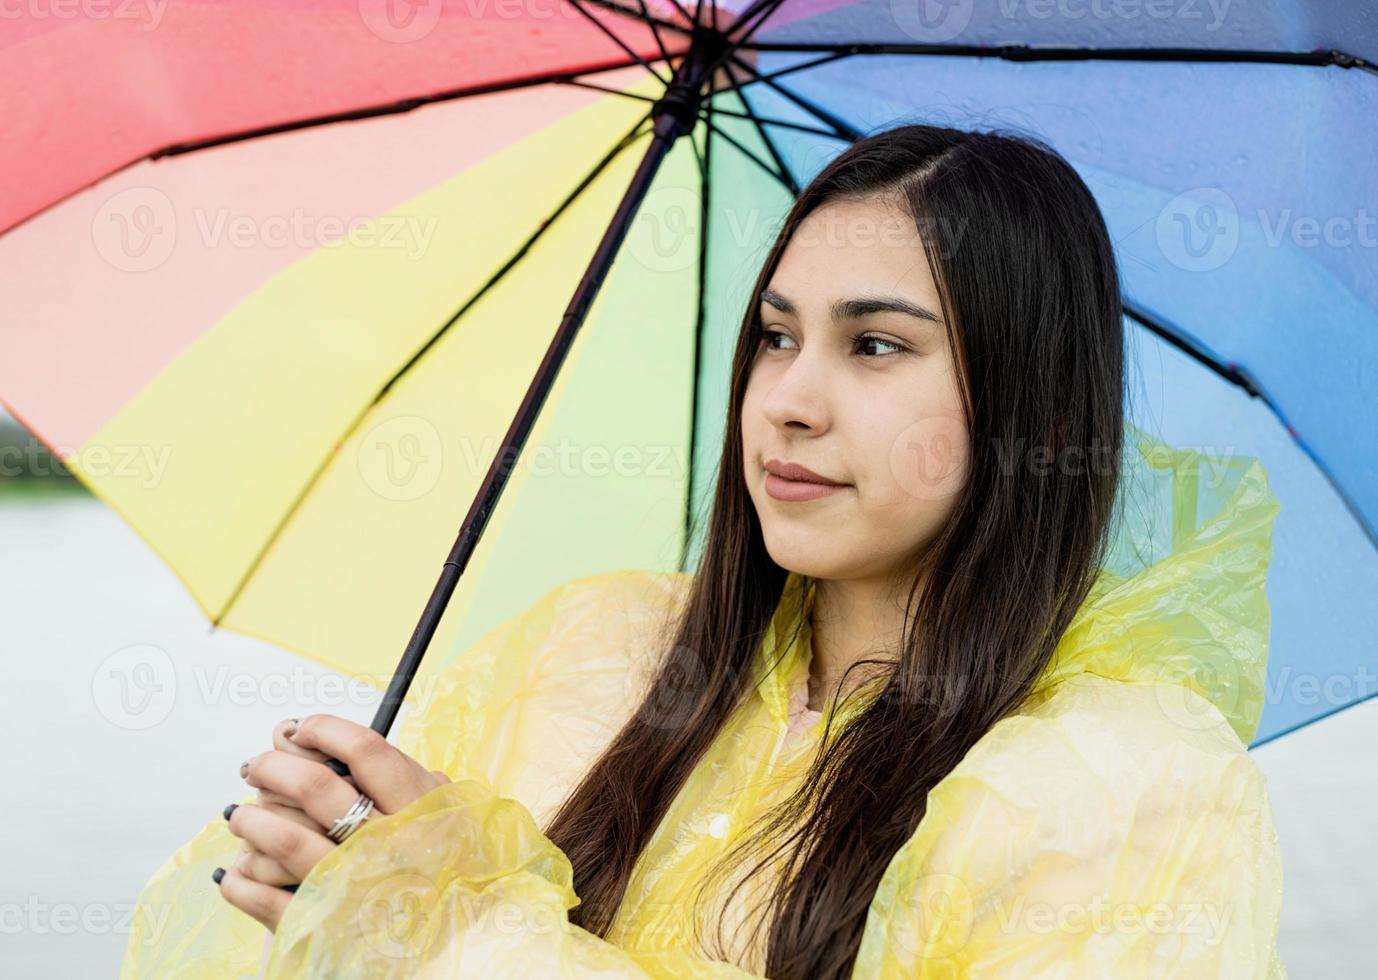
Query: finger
point(263, 902)
point(291, 845)
point(309, 786)
point(295, 814)
point(391, 778)
point(264, 869)
point(282, 741)
point(267, 796)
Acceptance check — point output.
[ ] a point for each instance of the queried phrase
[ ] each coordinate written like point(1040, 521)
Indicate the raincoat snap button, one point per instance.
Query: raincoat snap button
point(718, 825)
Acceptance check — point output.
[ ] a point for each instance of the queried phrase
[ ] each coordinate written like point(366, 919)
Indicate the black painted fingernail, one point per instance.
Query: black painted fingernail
point(217, 874)
point(230, 809)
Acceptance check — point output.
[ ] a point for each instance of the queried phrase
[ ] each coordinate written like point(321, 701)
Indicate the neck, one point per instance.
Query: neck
point(853, 620)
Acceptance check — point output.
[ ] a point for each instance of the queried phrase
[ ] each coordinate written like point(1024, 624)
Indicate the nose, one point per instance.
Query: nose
point(798, 399)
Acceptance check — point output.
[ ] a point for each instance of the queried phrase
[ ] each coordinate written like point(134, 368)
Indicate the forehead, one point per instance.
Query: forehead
point(849, 247)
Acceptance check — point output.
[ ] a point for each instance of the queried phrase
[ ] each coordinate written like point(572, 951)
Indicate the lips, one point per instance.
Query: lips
point(793, 482)
point(798, 473)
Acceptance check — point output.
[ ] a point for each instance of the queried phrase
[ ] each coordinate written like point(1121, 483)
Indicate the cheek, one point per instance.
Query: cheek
point(925, 464)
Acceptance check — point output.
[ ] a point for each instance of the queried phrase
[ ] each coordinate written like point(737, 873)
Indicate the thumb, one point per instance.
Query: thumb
point(441, 776)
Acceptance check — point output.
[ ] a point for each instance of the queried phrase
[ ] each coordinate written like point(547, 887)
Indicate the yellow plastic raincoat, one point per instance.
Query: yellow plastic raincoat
point(1114, 827)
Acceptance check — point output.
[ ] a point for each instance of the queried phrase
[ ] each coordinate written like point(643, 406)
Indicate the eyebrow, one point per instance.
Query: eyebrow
point(852, 309)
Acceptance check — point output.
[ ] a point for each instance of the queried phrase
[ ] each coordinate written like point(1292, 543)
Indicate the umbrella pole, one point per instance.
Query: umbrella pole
point(674, 115)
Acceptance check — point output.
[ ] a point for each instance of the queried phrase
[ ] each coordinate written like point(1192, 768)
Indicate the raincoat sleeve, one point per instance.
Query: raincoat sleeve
point(1106, 833)
point(463, 882)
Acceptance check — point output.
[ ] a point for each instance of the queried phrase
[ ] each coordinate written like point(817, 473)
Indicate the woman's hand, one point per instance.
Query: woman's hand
point(253, 863)
point(300, 797)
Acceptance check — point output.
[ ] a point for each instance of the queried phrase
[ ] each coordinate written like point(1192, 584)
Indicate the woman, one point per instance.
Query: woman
point(927, 708)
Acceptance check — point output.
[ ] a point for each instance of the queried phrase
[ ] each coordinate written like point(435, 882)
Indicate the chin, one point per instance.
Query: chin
point(801, 553)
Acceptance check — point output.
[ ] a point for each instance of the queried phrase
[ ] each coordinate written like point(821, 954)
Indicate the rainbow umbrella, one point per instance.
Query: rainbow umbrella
point(298, 290)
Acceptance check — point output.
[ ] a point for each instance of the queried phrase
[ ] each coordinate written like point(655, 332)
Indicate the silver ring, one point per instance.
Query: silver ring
point(351, 820)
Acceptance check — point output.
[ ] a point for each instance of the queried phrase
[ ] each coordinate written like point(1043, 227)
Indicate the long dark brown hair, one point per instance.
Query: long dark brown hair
point(1026, 273)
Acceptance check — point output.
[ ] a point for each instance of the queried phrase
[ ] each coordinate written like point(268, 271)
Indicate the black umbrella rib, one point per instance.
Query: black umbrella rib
point(788, 178)
point(785, 124)
point(612, 35)
point(698, 159)
point(1025, 52)
point(388, 109)
point(700, 321)
point(843, 129)
point(1310, 721)
point(645, 16)
point(1231, 372)
point(604, 88)
point(784, 179)
point(1238, 375)
point(805, 65)
point(752, 18)
point(631, 136)
point(689, 19)
point(655, 31)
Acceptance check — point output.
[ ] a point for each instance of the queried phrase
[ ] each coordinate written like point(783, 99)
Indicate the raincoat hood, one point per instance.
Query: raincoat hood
point(1113, 826)
point(1181, 600)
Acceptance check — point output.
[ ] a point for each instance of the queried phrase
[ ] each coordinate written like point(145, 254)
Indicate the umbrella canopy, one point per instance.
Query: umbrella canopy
point(305, 288)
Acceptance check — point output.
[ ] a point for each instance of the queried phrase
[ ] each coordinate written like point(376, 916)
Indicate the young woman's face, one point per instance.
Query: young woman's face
point(856, 381)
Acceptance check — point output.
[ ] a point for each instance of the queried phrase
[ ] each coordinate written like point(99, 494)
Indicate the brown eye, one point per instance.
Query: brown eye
point(768, 336)
point(863, 338)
